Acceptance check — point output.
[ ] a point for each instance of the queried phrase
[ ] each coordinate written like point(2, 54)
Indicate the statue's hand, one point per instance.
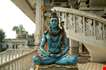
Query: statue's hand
point(56, 55)
point(43, 52)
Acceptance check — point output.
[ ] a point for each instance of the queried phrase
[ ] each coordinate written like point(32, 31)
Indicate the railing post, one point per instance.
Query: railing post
point(74, 23)
point(94, 26)
point(1, 58)
point(83, 21)
point(104, 31)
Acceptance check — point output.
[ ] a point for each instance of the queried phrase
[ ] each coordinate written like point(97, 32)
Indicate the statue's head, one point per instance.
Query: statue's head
point(54, 21)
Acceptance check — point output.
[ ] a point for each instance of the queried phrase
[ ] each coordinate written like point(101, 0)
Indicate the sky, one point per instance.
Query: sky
point(10, 16)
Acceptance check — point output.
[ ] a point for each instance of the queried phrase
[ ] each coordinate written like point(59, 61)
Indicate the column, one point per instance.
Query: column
point(38, 21)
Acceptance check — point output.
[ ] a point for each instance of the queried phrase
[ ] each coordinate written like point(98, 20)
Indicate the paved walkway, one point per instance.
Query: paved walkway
point(85, 64)
point(90, 66)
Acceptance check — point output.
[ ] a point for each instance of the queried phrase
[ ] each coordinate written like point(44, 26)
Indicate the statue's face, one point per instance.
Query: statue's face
point(53, 22)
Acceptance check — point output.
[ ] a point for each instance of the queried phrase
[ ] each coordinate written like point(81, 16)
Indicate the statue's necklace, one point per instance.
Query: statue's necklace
point(54, 38)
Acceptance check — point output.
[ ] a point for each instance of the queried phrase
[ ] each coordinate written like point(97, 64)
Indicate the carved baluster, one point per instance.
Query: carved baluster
point(94, 28)
point(89, 28)
point(96, 31)
point(99, 29)
point(83, 21)
point(74, 23)
point(79, 24)
point(1, 58)
point(62, 16)
point(65, 20)
point(104, 32)
point(70, 22)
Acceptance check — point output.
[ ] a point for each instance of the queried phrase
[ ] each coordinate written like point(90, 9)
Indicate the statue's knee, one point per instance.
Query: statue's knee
point(35, 60)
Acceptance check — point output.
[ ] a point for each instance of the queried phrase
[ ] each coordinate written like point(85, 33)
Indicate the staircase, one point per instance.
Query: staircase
point(86, 28)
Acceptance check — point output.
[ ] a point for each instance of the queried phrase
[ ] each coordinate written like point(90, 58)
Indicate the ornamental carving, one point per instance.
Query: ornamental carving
point(89, 27)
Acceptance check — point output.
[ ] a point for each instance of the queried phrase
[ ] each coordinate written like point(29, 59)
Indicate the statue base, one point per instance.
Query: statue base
point(58, 67)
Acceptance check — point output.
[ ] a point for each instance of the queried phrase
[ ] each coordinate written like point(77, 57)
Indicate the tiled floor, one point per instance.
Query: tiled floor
point(85, 64)
point(90, 66)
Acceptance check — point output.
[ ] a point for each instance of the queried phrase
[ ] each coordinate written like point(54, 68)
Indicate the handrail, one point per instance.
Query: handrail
point(10, 54)
point(86, 24)
point(79, 13)
point(85, 28)
point(22, 62)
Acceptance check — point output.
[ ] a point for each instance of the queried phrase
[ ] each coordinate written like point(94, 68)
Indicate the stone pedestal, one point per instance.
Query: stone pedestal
point(58, 67)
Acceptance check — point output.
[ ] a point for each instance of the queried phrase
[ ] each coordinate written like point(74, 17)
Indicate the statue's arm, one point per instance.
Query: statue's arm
point(42, 44)
point(66, 45)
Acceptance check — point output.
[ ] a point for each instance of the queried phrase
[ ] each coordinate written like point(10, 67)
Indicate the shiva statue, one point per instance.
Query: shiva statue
point(57, 46)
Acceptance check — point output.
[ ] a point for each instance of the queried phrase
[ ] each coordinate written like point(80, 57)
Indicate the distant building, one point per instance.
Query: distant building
point(31, 40)
point(16, 43)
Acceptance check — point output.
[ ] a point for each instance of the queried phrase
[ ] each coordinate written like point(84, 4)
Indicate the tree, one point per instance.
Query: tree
point(15, 28)
point(2, 36)
point(20, 31)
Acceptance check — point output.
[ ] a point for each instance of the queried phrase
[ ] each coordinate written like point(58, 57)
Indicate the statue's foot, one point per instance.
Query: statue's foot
point(73, 59)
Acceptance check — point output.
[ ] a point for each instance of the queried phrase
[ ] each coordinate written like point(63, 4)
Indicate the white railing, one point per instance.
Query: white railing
point(81, 22)
point(18, 59)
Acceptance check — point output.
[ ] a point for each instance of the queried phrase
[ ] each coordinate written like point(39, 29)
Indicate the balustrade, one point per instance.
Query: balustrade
point(83, 23)
point(16, 59)
point(85, 28)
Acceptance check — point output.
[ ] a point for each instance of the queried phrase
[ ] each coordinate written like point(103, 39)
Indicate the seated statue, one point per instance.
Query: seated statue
point(57, 46)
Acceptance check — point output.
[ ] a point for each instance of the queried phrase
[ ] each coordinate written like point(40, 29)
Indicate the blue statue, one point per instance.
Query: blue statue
point(57, 46)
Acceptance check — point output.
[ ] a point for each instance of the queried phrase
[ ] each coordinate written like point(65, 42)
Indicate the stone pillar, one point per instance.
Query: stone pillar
point(38, 21)
point(10, 45)
point(74, 47)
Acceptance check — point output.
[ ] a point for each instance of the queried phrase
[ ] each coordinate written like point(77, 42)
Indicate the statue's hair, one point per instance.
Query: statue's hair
point(54, 15)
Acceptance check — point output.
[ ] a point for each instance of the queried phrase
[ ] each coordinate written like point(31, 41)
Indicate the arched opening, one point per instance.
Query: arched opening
point(7, 46)
point(13, 46)
point(84, 49)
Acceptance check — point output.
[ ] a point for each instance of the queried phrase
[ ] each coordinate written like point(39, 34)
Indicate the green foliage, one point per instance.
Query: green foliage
point(15, 28)
point(2, 36)
point(19, 29)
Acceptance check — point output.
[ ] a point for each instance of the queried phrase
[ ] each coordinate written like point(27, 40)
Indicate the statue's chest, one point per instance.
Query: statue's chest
point(54, 41)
